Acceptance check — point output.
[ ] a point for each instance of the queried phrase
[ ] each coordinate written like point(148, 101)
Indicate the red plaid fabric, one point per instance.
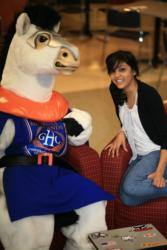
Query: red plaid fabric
point(154, 212)
point(120, 215)
point(112, 171)
point(86, 161)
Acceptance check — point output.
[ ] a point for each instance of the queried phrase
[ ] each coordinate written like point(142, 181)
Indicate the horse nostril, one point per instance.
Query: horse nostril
point(65, 54)
point(58, 64)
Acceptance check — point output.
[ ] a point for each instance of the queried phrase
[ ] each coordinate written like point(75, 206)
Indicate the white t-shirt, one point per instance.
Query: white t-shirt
point(139, 141)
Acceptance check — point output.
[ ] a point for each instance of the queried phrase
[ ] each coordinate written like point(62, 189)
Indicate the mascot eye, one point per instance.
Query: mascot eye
point(42, 40)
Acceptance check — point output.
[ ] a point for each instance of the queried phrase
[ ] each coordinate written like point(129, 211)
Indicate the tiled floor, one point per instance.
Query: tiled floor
point(87, 88)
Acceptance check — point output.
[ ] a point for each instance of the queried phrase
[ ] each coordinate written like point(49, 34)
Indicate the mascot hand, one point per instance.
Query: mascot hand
point(79, 126)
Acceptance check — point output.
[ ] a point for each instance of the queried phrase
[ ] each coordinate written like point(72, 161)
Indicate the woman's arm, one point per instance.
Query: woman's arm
point(118, 98)
point(152, 115)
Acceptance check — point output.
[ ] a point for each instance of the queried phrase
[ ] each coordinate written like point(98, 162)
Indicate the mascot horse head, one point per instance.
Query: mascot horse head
point(37, 53)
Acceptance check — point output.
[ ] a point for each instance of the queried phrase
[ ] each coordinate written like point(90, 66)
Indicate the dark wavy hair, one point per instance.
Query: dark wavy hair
point(112, 62)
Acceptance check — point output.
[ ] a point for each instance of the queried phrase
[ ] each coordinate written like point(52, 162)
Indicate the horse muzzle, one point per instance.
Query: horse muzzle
point(68, 60)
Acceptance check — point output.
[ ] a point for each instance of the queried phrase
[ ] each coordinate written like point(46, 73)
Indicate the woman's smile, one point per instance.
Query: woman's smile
point(122, 75)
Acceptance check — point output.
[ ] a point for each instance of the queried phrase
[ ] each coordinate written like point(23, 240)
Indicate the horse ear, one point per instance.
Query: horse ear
point(56, 27)
point(22, 24)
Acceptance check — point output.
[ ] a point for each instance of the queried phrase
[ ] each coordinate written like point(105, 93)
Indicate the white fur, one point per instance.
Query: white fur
point(23, 24)
point(26, 234)
point(57, 27)
point(30, 73)
point(6, 137)
point(92, 219)
point(85, 120)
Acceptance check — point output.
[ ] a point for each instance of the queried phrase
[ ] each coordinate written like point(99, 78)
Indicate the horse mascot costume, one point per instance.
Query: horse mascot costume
point(36, 127)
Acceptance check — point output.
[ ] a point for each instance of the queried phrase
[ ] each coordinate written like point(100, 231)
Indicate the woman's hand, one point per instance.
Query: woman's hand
point(114, 146)
point(157, 179)
point(157, 176)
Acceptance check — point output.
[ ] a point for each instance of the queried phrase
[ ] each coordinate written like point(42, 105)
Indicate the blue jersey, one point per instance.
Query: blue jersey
point(41, 189)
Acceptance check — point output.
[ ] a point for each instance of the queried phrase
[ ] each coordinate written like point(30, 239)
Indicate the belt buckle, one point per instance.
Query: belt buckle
point(48, 157)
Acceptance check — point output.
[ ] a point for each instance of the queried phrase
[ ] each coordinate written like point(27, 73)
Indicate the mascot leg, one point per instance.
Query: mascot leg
point(26, 234)
point(91, 219)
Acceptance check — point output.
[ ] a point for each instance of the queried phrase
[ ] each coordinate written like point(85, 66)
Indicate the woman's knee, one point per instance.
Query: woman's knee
point(130, 200)
point(128, 186)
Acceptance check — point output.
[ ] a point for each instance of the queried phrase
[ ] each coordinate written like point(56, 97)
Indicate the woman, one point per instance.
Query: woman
point(144, 123)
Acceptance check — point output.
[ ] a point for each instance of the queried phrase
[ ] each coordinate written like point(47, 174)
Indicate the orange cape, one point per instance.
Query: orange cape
point(50, 111)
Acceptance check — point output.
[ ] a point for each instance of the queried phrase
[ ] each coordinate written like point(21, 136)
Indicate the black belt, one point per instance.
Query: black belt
point(44, 158)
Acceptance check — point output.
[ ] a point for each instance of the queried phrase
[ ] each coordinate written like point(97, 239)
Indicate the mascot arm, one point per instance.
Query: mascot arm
point(6, 136)
point(79, 126)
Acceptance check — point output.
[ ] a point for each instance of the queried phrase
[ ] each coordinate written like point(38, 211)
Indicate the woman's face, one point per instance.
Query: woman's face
point(123, 76)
